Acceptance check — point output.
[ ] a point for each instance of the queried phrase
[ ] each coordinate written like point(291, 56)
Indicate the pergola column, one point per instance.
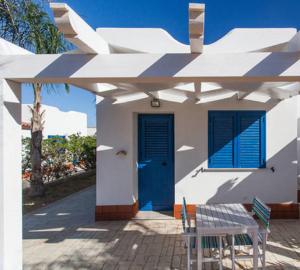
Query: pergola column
point(10, 176)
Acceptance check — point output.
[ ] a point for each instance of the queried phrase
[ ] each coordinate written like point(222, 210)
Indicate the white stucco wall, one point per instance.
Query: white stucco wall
point(10, 176)
point(57, 122)
point(298, 140)
point(91, 131)
point(117, 176)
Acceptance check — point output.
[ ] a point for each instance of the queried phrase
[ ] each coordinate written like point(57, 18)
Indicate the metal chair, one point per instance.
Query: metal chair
point(263, 213)
point(211, 243)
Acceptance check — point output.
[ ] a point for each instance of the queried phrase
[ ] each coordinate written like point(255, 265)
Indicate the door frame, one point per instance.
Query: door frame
point(172, 115)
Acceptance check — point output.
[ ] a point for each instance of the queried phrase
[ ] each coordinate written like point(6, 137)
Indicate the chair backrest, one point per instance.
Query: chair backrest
point(186, 223)
point(262, 211)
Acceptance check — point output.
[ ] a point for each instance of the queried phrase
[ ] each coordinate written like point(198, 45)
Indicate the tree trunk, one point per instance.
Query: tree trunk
point(37, 187)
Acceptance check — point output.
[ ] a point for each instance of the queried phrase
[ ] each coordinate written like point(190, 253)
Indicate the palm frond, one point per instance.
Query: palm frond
point(25, 23)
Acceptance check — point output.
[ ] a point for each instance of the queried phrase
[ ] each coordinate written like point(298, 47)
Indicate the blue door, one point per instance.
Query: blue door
point(156, 162)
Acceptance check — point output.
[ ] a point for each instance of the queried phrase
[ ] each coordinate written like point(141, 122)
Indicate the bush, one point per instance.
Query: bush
point(83, 151)
point(62, 156)
point(26, 164)
point(55, 158)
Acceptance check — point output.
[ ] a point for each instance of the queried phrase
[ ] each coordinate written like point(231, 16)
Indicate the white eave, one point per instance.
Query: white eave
point(252, 40)
point(141, 40)
point(156, 40)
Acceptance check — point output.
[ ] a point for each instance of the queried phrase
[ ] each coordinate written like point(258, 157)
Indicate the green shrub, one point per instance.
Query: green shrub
point(62, 156)
point(83, 149)
point(26, 163)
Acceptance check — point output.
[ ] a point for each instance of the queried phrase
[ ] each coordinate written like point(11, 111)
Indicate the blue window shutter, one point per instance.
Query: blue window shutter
point(237, 139)
point(251, 139)
point(221, 133)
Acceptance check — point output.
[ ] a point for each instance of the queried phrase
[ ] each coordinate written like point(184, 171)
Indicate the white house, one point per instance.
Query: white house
point(210, 142)
point(214, 123)
point(57, 122)
point(91, 131)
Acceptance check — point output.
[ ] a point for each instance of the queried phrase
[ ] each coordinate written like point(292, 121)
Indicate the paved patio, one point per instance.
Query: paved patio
point(65, 236)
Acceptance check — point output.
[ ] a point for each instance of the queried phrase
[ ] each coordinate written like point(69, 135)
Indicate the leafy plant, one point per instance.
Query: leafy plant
point(61, 156)
point(26, 163)
point(54, 158)
point(83, 150)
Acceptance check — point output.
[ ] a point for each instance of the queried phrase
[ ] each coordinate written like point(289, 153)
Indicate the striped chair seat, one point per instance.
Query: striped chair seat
point(208, 242)
point(243, 239)
point(240, 240)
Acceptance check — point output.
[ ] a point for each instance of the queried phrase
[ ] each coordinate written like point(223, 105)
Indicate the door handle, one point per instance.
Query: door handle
point(164, 163)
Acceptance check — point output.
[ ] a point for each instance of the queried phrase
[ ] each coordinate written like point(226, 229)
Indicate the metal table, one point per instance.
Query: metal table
point(225, 219)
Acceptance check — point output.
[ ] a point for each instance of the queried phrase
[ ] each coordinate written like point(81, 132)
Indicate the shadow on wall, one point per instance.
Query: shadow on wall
point(14, 110)
point(198, 152)
point(259, 182)
point(229, 186)
point(254, 185)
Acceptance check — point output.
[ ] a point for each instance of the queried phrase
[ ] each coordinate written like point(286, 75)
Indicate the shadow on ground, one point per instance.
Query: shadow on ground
point(64, 235)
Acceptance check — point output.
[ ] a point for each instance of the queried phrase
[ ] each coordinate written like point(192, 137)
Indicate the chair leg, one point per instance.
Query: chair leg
point(264, 247)
point(233, 253)
point(220, 254)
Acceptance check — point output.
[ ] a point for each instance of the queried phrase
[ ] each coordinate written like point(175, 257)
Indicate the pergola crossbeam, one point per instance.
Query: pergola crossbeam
point(152, 68)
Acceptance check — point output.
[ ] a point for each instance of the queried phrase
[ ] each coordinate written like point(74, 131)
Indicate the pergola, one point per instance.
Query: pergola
point(125, 64)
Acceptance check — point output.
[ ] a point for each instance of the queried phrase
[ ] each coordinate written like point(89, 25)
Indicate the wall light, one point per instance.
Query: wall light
point(155, 103)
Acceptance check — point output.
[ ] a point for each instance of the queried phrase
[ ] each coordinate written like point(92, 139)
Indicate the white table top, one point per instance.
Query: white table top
point(219, 219)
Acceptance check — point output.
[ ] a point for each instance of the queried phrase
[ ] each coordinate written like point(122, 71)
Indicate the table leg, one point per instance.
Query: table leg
point(199, 252)
point(255, 250)
point(220, 253)
point(189, 250)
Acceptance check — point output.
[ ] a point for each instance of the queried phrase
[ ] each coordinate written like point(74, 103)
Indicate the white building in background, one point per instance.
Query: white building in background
point(91, 131)
point(57, 122)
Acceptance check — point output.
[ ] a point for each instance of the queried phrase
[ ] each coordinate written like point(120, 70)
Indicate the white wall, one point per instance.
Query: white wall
point(91, 131)
point(298, 139)
point(117, 177)
point(10, 176)
point(57, 122)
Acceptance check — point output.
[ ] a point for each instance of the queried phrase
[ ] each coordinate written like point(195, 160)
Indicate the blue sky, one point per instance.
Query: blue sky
point(171, 15)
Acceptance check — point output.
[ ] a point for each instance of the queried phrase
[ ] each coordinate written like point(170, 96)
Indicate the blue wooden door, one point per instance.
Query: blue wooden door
point(156, 162)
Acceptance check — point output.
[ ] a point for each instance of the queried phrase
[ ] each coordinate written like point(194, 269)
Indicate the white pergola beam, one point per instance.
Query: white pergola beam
point(196, 27)
point(77, 31)
point(152, 68)
point(95, 88)
point(10, 176)
point(197, 91)
point(217, 97)
point(8, 48)
point(241, 94)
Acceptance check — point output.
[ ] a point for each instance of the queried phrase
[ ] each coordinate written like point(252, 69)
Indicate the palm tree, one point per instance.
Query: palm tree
point(24, 23)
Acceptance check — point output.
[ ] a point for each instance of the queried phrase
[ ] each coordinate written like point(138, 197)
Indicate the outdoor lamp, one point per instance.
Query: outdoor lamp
point(155, 103)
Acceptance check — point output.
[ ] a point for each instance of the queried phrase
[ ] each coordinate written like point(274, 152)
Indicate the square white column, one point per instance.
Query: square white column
point(10, 176)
